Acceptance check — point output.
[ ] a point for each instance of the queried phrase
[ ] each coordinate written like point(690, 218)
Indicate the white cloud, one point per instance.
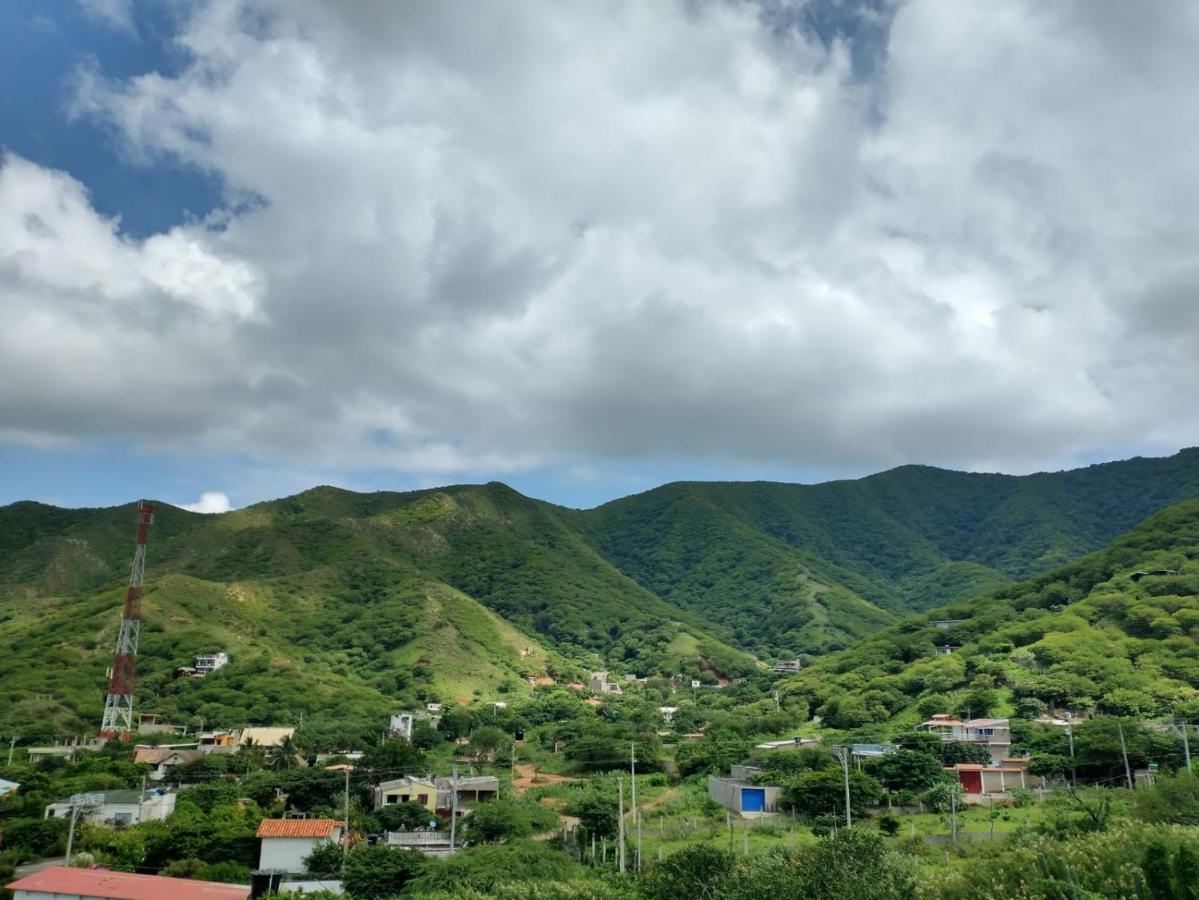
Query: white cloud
point(116, 14)
point(551, 234)
point(209, 502)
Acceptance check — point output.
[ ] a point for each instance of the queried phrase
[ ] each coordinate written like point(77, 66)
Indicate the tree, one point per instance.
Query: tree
point(823, 792)
point(1050, 766)
point(379, 871)
point(1171, 800)
point(401, 816)
point(393, 759)
point(504, 820)
point(284, 756)
point(944, 795)
point(907, 770)
point(325, 859)
point(596, 812)
point(693, 873)
point(486, 741)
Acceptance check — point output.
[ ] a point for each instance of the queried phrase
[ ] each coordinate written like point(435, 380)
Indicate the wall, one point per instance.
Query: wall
point(285, 853)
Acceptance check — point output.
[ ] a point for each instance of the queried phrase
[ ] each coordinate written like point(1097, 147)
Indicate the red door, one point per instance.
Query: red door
point(972, 782)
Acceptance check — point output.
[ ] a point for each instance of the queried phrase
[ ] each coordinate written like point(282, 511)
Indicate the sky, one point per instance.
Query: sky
point(585, 248)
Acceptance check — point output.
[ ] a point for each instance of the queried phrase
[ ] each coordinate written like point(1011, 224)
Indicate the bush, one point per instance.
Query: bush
point(483, 868)
point(888, 824)
point(379, 871)
point(817, 793)
point(694, 872)
point(325, 859)
point(1172, 800)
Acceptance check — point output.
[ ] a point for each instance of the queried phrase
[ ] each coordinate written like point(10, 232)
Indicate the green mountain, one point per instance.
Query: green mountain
point(1116, 631)
point(331, 603)
point(787, 567)
point(369, 601)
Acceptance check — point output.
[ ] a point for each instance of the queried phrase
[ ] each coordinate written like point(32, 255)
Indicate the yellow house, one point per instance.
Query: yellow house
point(407, 790)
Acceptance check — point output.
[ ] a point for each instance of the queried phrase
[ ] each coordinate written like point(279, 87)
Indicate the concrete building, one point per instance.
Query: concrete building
point(598, 683)
point(979, 781)
point(207, 663)
point(794, 743)
point(163, 760)
point(118, 808)
point(993, 734)
point(266, 737)
point(409, 789)
point(788, 666)
point(285, 842)
point(63, 883)
point(472, 789)
point(739, 796)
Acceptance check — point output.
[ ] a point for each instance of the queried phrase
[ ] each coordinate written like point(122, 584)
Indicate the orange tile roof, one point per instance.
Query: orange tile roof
point(297, 828)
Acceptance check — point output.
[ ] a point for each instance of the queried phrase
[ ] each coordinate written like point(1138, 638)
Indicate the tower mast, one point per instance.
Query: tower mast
point(118, 705)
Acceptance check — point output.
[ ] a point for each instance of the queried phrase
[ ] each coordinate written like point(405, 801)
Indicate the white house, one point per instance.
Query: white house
point(285, 842)
point(162, 760)
point(207, 663)
point(119, 808)
point(62, 883)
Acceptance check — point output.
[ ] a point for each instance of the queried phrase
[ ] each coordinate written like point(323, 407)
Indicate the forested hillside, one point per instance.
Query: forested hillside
point(1116, 632)
point(905, 539)
point(463, 591)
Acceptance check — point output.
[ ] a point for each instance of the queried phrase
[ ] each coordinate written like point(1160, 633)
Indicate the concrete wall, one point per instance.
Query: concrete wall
point(286, 854)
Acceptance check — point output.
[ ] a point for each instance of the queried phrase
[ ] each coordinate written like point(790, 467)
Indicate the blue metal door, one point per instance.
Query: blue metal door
point(753, 799)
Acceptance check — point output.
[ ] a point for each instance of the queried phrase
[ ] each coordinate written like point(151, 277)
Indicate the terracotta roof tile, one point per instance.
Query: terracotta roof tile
point(124, 885)
point(297, 828)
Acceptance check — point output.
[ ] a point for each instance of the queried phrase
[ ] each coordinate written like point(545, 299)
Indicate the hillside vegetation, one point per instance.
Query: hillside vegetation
point(1116, 632)
point(342, 605)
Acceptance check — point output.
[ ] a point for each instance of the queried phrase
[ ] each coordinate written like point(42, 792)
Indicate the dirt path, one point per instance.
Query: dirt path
point(528, 777)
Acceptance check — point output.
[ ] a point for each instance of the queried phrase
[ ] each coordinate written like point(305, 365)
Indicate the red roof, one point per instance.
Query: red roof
point(124, 885)
point(297, 828)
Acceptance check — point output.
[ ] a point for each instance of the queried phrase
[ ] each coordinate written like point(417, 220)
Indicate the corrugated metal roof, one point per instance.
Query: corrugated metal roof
point(297, 828)
point(125, 885)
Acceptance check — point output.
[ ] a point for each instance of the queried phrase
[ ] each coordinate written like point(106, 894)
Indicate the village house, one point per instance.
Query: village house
point(408, 789)
point(149, 723)
point(737, 794)
point(207, 663)
point(788, 666)
point(267, 737)
point(63, 883)
point(285, 842)
point(211, 740)
point(599, 684)
point(7, 787)
point(472, 789)
point(979, 781)
point(794, 743)
point(118, 808)
point(993, 734)
point(162, 760)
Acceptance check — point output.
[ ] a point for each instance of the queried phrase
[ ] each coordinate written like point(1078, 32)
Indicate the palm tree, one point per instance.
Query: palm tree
point(283, 756)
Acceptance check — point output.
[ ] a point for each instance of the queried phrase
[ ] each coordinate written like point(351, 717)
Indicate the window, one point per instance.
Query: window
point(422, 799)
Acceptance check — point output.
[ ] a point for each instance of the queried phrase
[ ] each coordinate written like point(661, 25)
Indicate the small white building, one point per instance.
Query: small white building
point(119, 808)
point(285, 842)
point(207, 663)
point(788, 666)
point(598, 683)
point(668, 712)
point(63, 883)
point(7, 787)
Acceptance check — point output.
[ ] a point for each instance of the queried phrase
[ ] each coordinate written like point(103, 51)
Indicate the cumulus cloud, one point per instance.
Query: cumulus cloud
point(210, 502)
point(502, 237)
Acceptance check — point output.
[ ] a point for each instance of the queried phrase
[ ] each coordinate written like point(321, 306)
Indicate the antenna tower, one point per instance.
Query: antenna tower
point(118, 705)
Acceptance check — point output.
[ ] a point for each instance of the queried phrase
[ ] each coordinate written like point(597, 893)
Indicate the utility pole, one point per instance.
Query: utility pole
point(1124, 753)
point(953, 813)
point(453, 807)
point(345, 811)
point(1186, 744)
point(843, 756)
point(777, 707)
point(1070, 734)
point(633, 798)
point(620, 823)
point(12, 745)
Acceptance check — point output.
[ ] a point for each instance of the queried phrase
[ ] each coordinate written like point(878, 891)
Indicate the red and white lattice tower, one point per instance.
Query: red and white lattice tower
point(118, 705)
